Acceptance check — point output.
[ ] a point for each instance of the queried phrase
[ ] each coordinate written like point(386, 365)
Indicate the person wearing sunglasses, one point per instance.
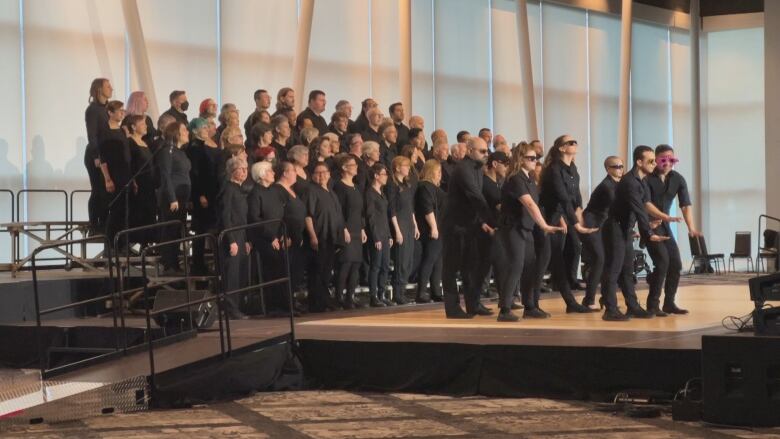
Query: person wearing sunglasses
point(513, 255)
point(665, 185)
point(627, 210)
point(594, 216)
point(465, 213)
point(561, 201)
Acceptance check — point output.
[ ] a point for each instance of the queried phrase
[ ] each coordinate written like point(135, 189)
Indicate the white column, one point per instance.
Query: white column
point(526, 70)
point(405, 53)
point(625, 81)
point(141, 66)
point(696, 155)
point(772, 105)
point(301, 59)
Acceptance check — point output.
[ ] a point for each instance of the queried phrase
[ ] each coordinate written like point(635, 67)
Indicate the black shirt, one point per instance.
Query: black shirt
point(325, 211)
point(400, 199)
point(600, 201)
point(96, 118)
point(447, 168)
point(663, 192)
point(173, 167)
point(513, 212)
point(628, 208)
point(316, 120)
point(377, 223)
point(387, 152)
point(178, 115)
point(428, 199)
point(403, 134)
point(203, 174)
point(466, 205)
point(492, 192)
point(361, 123)
point(560, 192)
point(351, 201)
point(370, 134)
point(233, 212)
point(250, 122)
point(294, 215)
point(115, 153)
point(266, 203)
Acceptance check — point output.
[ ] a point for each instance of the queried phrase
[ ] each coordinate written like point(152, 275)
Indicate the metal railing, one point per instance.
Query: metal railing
point(758, 264)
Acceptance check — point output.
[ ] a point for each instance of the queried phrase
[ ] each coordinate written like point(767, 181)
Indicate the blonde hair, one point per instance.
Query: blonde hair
point(396, 164)
point(429, 170)
point(227, 133)
point(516, 161)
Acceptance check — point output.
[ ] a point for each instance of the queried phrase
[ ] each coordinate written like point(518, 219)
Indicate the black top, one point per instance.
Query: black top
point(332, 129)
point(233, 212)
point(250, 122)
point(139, 158)
point(178, 115)
point(266, 203)
point(317, 120)
point(428, 199)
point(492, 192)
point(663, 192)
point(115, 153)
point(600, 201)
point(96, 118)
point(628, 208)
point(294, 215)
point(281, 151)
point(361, 124)
point(370, 134)
point(151, 132)
point(513, 212)
point(466, 206)
point(447, 168)
point(301, 186)
point(351, 201)
point(204, 176)
point(400, 199)
point(325, 211)
point(387, 152)
point(173, 167)
point(403, 133)
point(560, 192)
point(377, 223)
point(362, 178)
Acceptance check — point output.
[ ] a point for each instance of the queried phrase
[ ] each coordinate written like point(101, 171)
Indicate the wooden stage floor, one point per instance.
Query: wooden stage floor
point(708, 303)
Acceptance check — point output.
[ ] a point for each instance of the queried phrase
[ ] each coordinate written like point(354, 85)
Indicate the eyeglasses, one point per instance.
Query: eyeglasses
point(570, 143)
point(615, 166)
point(482, 151)
point(669, 160)
point(539, 156)
point(531, 158)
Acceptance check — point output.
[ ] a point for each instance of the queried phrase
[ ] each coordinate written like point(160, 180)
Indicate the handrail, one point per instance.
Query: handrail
point(19, 209)
point(218, 299)
point(38, 311)
point(261, 285)
point(72, 193)
point(758, 240)
point(11, 194)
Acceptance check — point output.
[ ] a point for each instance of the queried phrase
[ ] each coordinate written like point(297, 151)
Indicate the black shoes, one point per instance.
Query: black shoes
point(516, 306)
point(459, 314)
point(671, 308)
point(507, 316)
point(438, 298)
point(375, 302)
point(481, 310)
point(656, 311)
point(534, 313)
point(387, 301)
point(639, 313)
point(423, 298)
point(576, 307)
point(615, 316)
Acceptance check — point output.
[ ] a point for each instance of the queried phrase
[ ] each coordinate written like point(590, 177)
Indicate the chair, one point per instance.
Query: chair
point(700, 253)
point(768, 250)
point(742, 250)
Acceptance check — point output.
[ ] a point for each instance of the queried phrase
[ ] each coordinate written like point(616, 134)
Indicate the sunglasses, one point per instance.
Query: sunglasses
point(570, 143)
point(531, 158)
point(482, 151)
point(615, 166)
point(669, 160)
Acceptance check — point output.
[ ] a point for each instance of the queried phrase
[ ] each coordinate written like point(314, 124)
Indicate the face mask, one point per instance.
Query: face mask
point(185, 105)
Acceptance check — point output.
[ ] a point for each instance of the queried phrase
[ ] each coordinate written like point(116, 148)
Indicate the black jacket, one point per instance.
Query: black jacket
point(466, 206)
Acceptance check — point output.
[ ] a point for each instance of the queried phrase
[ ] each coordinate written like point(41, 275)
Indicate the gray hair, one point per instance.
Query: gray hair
point(297, 151)
point(259, 170)
point(369, 146)
point(234, 163)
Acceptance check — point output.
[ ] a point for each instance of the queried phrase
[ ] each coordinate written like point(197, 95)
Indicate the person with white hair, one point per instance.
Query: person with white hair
point(235, 246)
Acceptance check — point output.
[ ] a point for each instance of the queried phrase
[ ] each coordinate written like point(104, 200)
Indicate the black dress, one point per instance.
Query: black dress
point(205, 183)
point(429, 199)
point(351, 201)
point(324, 209)
point(295, 224)
point(267, 203)
point(401, 205)
point(173, 167)
point(143, 207)
point(115, 154)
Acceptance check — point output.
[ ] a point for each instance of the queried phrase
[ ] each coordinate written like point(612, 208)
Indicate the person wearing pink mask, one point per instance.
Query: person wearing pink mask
point(665, 185)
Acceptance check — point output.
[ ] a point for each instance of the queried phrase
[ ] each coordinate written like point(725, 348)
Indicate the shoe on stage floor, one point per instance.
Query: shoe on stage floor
point(516, 306)
point(671, 308)
point(615, 316)
point(507, 316)
point(576, 307)
point(534, 313)
point(459, 314)
point(481, 310)
point(654, 310)
point(639, 313)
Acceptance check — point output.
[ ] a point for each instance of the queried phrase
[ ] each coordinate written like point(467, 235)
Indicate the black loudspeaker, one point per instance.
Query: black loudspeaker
point(202, 314)
point(741, 380)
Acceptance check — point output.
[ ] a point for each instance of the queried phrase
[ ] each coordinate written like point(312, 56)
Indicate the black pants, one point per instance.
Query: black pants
point(96, 206)
point(348, 277)
point(379, 269)
point(460, 255)
point(542, 248)
point(320, 275)
point(553, 248)
point(619, 266)
point(484, 244)
point(593, 255)
point(117, 217)
point(169, 254)
point(272, 267)
point(514, 261)
point(666, 269)
point(403, 261)
point(430, 267)
point(572, 251)
point(235, 273)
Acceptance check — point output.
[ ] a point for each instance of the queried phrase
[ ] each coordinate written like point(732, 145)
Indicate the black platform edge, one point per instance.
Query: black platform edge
point(585, 373)
point(269, 365)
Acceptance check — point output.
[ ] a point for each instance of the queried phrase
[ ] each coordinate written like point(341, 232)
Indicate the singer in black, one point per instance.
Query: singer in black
point(560, 197)
point(379, 238)
point(428, 203)
point(351, 255)
point(173, 167)
point(143, 207)
point(96, 118)
point(594, 216)
point(204, 155)
point(465, 214)
point(665, 185)
point(513, 250)
point(116, 167)
point(325, 225)
point(235, 246)
point(294, 221)
point(400, 191)
point(627, 210)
